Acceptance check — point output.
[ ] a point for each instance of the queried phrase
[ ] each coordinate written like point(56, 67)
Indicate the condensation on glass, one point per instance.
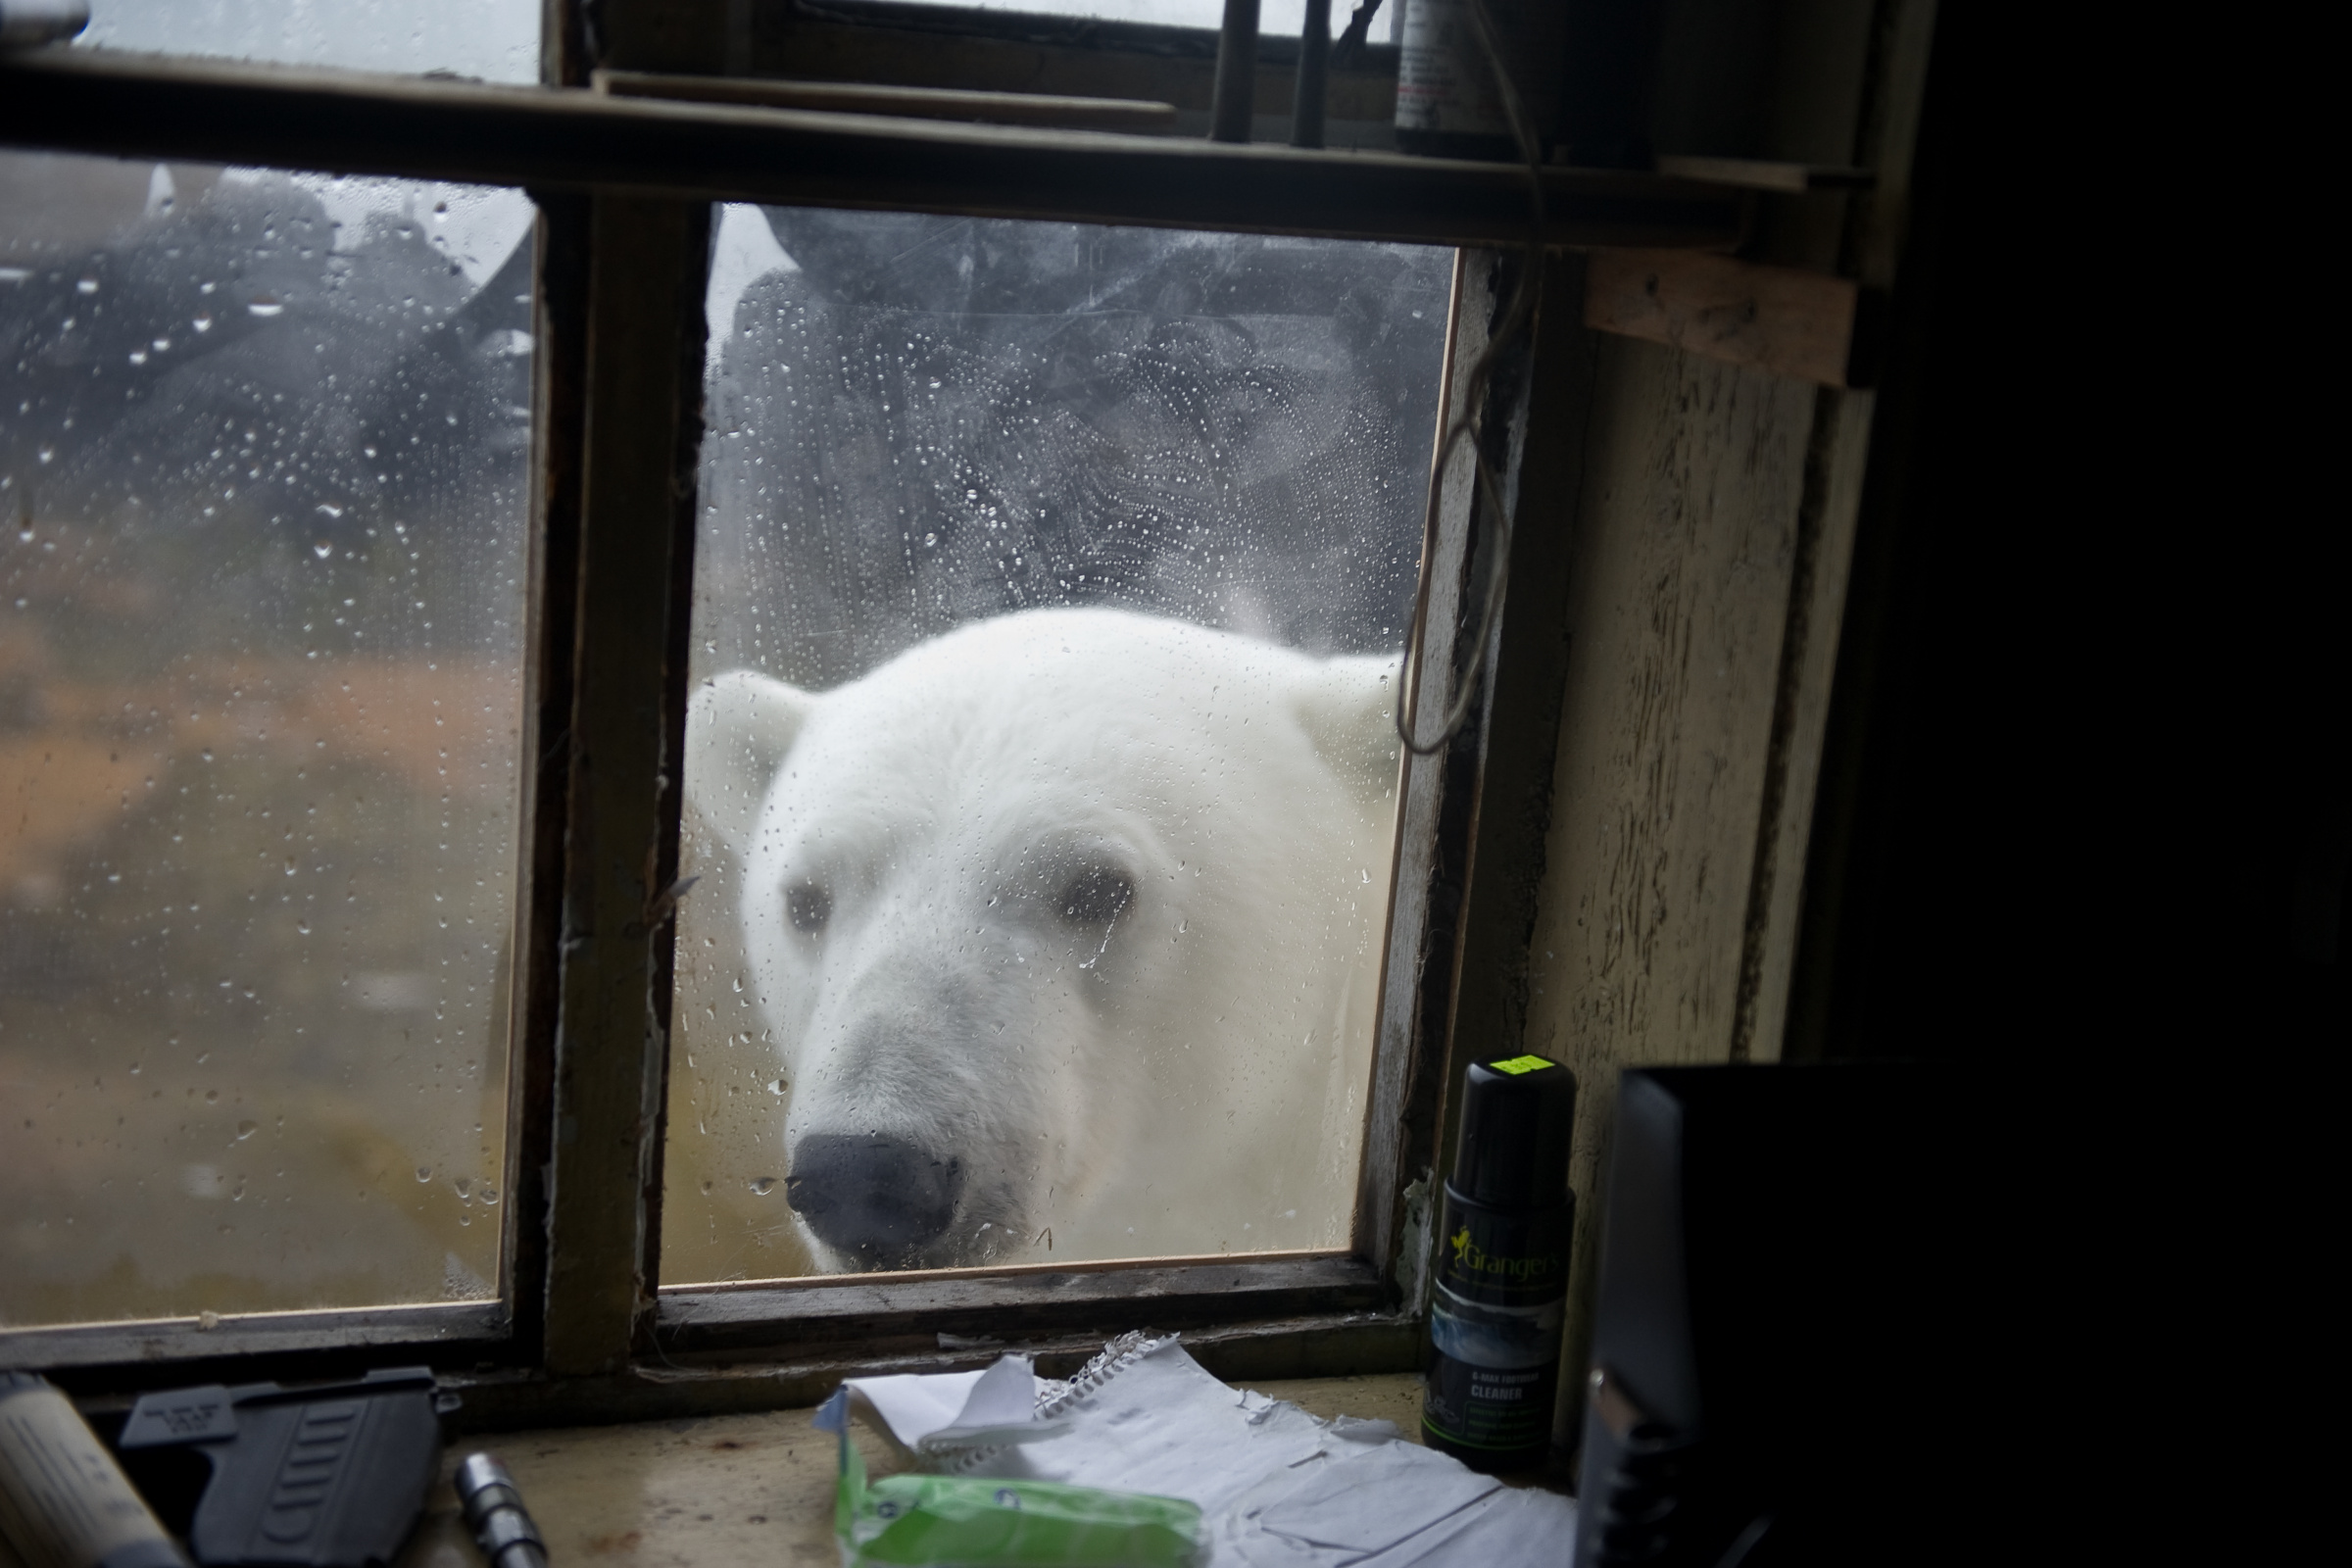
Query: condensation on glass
point(493, 40)
point(1050, 593)
point(263, 448)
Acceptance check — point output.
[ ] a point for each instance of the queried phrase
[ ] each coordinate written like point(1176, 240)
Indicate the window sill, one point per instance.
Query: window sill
point(436, 1332)
point(954, 1309)
point(740, 1489)
point(670, 1386)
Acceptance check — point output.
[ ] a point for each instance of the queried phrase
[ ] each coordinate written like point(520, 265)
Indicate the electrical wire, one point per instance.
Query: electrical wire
point(1487, 498)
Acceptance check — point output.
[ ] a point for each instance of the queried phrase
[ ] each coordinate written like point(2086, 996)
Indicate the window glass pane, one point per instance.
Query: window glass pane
point(1051, 589)
point(264, 444)
point(495, 40)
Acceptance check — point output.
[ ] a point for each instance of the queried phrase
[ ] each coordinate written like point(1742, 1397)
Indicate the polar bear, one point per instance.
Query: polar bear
point(1067, 925)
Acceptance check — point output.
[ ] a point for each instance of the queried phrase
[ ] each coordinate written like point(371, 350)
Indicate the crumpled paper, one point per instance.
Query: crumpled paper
point(1278, 1487)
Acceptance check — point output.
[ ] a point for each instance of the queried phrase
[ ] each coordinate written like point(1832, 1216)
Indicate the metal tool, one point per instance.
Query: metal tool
point(494, 1509)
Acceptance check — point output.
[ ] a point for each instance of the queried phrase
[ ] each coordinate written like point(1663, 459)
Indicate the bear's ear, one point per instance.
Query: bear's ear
point(737, 729)
point(1347, 708)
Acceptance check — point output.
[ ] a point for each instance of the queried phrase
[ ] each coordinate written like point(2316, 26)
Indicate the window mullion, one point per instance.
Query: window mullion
point(644, 339)
point(1538, 413)
point(1431, 812)
point(1455, 986)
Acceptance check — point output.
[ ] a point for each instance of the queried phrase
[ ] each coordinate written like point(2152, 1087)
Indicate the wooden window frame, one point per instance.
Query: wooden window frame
point(624, 188)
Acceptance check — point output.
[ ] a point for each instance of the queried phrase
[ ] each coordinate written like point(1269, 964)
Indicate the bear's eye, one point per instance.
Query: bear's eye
point(1095, 896)
point(810, 906)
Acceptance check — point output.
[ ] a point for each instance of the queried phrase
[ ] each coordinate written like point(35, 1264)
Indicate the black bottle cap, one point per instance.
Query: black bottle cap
point(1518, 1113)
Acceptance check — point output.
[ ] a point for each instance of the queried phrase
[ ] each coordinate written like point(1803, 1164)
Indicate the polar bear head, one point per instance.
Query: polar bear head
point(1065, 925)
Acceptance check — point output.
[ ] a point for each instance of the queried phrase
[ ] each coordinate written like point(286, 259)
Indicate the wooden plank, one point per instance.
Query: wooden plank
point(570, 138)
point(1883, 129)
point(1008, 1305)
point(1777, 319)
point(1762, 173)
point(1059, 1274)
point(1133, 116)
point(1897, 89)
point(643, 339)
point(737, 1488)
point(1533, 435)
point(754, 1487)
point(1456, 982)
point(559, 415)
point(1678, 593)
point(1432, 816)
point(566, 51)
point(1320, 1345)
point(1826, 516)
point(1787, 1004)
point(467, 1331)
point(1713, 580)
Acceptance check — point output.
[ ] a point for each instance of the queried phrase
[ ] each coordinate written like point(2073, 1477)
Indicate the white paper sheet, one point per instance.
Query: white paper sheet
point(956, 1411)
point(910, 1408)
point(1278, 1487)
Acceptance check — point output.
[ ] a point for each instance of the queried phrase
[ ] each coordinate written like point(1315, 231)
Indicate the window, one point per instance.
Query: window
point(707, 319)
point(1079, 560)
point(492, 40)
point(266, 468)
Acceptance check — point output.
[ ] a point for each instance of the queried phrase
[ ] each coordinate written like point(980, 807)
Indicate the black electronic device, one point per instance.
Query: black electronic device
point(322, 1477)
point(1781, 1368)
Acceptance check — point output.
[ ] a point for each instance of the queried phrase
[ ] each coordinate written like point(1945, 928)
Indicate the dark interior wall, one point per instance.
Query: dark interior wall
point(2084, 824)
point(2086, 796)
point(1775, 80)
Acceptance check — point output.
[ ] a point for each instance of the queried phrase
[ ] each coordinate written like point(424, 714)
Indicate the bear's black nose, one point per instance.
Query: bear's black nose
point(876, 1197)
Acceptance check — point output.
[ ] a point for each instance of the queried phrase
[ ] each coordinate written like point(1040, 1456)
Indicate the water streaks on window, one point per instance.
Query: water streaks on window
point(1048, 593)
point(263, 467)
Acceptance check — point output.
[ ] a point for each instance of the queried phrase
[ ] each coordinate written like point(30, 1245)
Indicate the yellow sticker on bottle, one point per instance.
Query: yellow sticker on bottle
point(1519, 1064)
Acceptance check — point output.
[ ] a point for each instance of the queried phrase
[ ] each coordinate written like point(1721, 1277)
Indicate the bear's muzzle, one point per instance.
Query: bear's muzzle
point(879, 1200)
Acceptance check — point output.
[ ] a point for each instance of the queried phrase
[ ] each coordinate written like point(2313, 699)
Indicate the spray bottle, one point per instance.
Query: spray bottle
point(1501, 1290)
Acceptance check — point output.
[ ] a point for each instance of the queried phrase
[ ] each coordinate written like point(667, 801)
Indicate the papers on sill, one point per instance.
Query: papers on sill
point(1278, 1488)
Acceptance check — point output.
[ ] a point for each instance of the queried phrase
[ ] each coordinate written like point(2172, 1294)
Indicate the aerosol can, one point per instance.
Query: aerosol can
point(1501, 1288)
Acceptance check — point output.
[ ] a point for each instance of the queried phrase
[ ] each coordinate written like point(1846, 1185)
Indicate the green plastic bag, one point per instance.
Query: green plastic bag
point(927, 1521)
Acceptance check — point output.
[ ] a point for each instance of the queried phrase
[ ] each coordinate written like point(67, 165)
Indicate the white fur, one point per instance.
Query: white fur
point(1184, 1078)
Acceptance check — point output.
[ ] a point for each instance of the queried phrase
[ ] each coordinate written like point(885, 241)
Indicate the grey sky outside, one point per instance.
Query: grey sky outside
point(494, 41)
point(498, 40)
